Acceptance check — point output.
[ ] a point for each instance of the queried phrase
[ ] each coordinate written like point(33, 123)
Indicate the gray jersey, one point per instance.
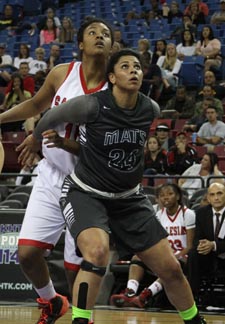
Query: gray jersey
point(112, 139)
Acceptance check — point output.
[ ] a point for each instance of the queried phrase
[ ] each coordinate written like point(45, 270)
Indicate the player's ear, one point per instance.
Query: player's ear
point(112, 78)
point(81, 46)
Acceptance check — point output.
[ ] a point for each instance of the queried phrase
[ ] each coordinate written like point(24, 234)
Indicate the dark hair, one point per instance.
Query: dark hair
point(211, 33)
point(27, 48)
point(176, 189)
point(14, 76)
point(160, 40)
point(87, 22)
point(213, 158)
point(182, 37)
point(115, 58)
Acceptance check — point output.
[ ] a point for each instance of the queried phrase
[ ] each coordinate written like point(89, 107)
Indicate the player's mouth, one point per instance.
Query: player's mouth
point(100, 44)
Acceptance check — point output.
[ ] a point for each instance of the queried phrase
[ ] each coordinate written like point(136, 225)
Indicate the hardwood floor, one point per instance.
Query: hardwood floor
point(25, 314)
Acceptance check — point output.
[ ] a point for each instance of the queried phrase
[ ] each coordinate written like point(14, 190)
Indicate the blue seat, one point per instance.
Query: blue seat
point(192, 71)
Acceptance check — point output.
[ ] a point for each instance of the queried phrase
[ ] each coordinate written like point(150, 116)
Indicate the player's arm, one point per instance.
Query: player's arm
point(79, 110)
point(40, 102)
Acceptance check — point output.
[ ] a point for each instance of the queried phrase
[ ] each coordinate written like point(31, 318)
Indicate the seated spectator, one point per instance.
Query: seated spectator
point(8, 20)
point(28, 80)
point(155, 159)
point(67, 32)
point(186, 24)
point(199, 117)
point(195, 13)
point(16, 95)
point(212, 132)
point(159, 50)
point(50, 13)
point(119, 38)
point(23, 55)
point(50, 33)
point(209, 47)
point(174, 214)
point(6, 59)
point(218, 17)
point(182, 103)
point(207, 92)
point(210, 79)
point(148, 14)
point(152, 81)
point(39, 79)
point(144, 50)
point(181, 156)
point(116, 47)
point(38, 64)
point(54, 57)
point(208, 167)
point(203, 7)
point(172, 11)
point(187, 46)
point(162, 132)
point(170, 66)
point(206, 256)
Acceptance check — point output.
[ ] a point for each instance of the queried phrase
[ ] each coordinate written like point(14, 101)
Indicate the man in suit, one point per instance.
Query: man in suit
point(207, 254)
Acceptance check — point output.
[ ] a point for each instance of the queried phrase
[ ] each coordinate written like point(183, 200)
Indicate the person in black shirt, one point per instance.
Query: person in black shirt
point(103, 192)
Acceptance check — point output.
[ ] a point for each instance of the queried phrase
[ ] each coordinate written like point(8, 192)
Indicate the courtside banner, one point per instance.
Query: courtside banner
point(13, 284)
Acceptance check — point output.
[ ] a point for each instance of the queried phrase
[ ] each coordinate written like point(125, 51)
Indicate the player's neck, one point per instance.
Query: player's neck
point(93, 72)
point(125, 99)
point(173, 210)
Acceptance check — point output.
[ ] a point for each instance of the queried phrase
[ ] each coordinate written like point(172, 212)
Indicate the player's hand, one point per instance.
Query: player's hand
point(205, 247)
point(52, 139)
point(28, 149)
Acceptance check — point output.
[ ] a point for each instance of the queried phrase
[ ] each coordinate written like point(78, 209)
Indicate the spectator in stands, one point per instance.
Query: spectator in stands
point(152, 81)
point(210, 79)
point(6, 59)
point(23, 55)
point(144, 50)
point(209, 47)
point(173, 214)
point(181, 103)
point(116, 47)
point(212, 132)
point(218, 17)
point(50, 33)
point(203, 7)
point(206, 257)
point(148, 14)
point(6, 67)
point(159, 50)
point(172, 12)
point(16, 95)
point(155, 159)
point(38, 64)
point(28, 80)
point(54, 57)
point(195, 13)
point(50, 13)
point(67, 32)
point(119, 38)
point(199, 117)
point(170, 66)
point(187, 46)
point(181, 156)
point(208, 167)
point(207, 92)
point(186, 24)
point(162, 132)
point(7, 19)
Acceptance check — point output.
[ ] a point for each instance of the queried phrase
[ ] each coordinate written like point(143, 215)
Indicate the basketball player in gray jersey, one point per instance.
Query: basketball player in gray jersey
point(103, 194)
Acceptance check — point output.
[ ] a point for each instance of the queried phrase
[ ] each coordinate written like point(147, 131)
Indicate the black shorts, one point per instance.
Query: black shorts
point(131, 220)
